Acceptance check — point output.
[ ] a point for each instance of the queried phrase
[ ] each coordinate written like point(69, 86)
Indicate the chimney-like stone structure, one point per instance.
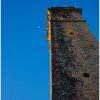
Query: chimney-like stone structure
point(74, 56)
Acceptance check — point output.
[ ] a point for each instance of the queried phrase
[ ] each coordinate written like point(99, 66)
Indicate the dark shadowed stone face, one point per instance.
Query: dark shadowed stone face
point(74, 56)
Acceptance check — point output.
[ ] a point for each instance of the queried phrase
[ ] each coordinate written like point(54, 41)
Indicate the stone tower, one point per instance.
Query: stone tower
point(74, 55)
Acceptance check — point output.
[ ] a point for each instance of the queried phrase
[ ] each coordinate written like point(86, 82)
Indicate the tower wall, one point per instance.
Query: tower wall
point(73, 55)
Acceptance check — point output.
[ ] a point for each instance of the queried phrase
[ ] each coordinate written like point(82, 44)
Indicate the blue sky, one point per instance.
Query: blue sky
point(25, 55)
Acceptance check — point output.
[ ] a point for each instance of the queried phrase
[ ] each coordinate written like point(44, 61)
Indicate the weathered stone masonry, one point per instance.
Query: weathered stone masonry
point(73, 56)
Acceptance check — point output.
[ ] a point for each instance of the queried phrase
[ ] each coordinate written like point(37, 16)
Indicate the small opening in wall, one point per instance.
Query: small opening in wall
point(86, 75)
point(71, 33)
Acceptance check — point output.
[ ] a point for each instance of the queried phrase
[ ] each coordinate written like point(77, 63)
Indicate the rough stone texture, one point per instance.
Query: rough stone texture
point(74, 56)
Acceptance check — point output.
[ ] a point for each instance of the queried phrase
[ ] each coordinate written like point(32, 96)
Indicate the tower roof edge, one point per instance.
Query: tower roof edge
point(71, 9)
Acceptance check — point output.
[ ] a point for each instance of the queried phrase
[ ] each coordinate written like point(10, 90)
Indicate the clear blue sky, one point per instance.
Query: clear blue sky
point(25, 56)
